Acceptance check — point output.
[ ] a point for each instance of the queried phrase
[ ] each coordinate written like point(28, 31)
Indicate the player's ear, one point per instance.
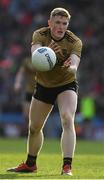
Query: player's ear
point(49, 23)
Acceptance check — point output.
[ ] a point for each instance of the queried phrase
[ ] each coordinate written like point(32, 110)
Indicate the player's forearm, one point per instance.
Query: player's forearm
point(75, 60)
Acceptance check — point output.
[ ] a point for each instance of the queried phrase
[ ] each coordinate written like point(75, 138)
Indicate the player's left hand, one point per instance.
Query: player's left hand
point(67, 63)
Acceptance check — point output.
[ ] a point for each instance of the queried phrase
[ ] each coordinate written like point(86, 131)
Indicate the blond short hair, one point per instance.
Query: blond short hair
point(60, 12)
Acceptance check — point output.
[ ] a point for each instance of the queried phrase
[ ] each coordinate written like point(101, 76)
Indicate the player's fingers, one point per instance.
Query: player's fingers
point(54, 46)
point(56, 49)
point(67, 63)
point(51, 44)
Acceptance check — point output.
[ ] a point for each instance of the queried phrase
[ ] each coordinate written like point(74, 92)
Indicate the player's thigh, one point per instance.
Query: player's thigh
point(39, 112)
point(67, 102)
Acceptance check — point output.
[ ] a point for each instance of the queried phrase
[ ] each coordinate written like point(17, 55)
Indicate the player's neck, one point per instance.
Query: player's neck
point(56, 38)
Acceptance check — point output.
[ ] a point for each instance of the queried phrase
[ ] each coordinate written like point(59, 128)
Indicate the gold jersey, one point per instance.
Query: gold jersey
point(29, 75)
point(70, 44)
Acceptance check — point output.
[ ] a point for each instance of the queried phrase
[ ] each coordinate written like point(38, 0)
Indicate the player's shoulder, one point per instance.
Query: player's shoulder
point(71, 37)
point(44, 31)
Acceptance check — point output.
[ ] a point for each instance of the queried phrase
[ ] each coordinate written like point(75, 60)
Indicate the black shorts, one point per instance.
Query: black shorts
point(28, 96)
point(49, 95)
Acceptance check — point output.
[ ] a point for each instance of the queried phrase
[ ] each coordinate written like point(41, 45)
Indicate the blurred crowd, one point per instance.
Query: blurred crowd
point(18, 20)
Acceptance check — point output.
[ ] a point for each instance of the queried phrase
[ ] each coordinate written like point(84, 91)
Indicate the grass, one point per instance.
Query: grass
point(88, 161)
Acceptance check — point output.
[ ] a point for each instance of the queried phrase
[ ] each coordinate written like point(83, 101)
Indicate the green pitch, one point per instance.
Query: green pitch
point(88, 162)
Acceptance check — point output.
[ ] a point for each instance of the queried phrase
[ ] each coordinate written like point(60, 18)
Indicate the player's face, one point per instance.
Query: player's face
point(58, 26)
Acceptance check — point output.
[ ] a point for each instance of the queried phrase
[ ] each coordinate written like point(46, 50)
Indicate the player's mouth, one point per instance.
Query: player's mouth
point(60, 32)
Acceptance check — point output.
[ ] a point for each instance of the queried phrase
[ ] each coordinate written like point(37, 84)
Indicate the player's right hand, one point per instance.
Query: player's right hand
point(54, 46)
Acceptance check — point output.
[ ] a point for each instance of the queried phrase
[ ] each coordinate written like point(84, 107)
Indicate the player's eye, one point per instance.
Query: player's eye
point(65, 23)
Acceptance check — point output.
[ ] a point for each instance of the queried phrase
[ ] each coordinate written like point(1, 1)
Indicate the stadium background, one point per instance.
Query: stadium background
point(18, 19)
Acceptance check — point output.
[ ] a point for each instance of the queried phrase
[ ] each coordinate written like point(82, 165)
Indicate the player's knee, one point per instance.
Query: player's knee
point(67, 120)
point(34, 130)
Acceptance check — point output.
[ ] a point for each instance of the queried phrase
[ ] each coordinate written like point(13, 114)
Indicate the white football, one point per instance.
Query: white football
point(43, 59)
